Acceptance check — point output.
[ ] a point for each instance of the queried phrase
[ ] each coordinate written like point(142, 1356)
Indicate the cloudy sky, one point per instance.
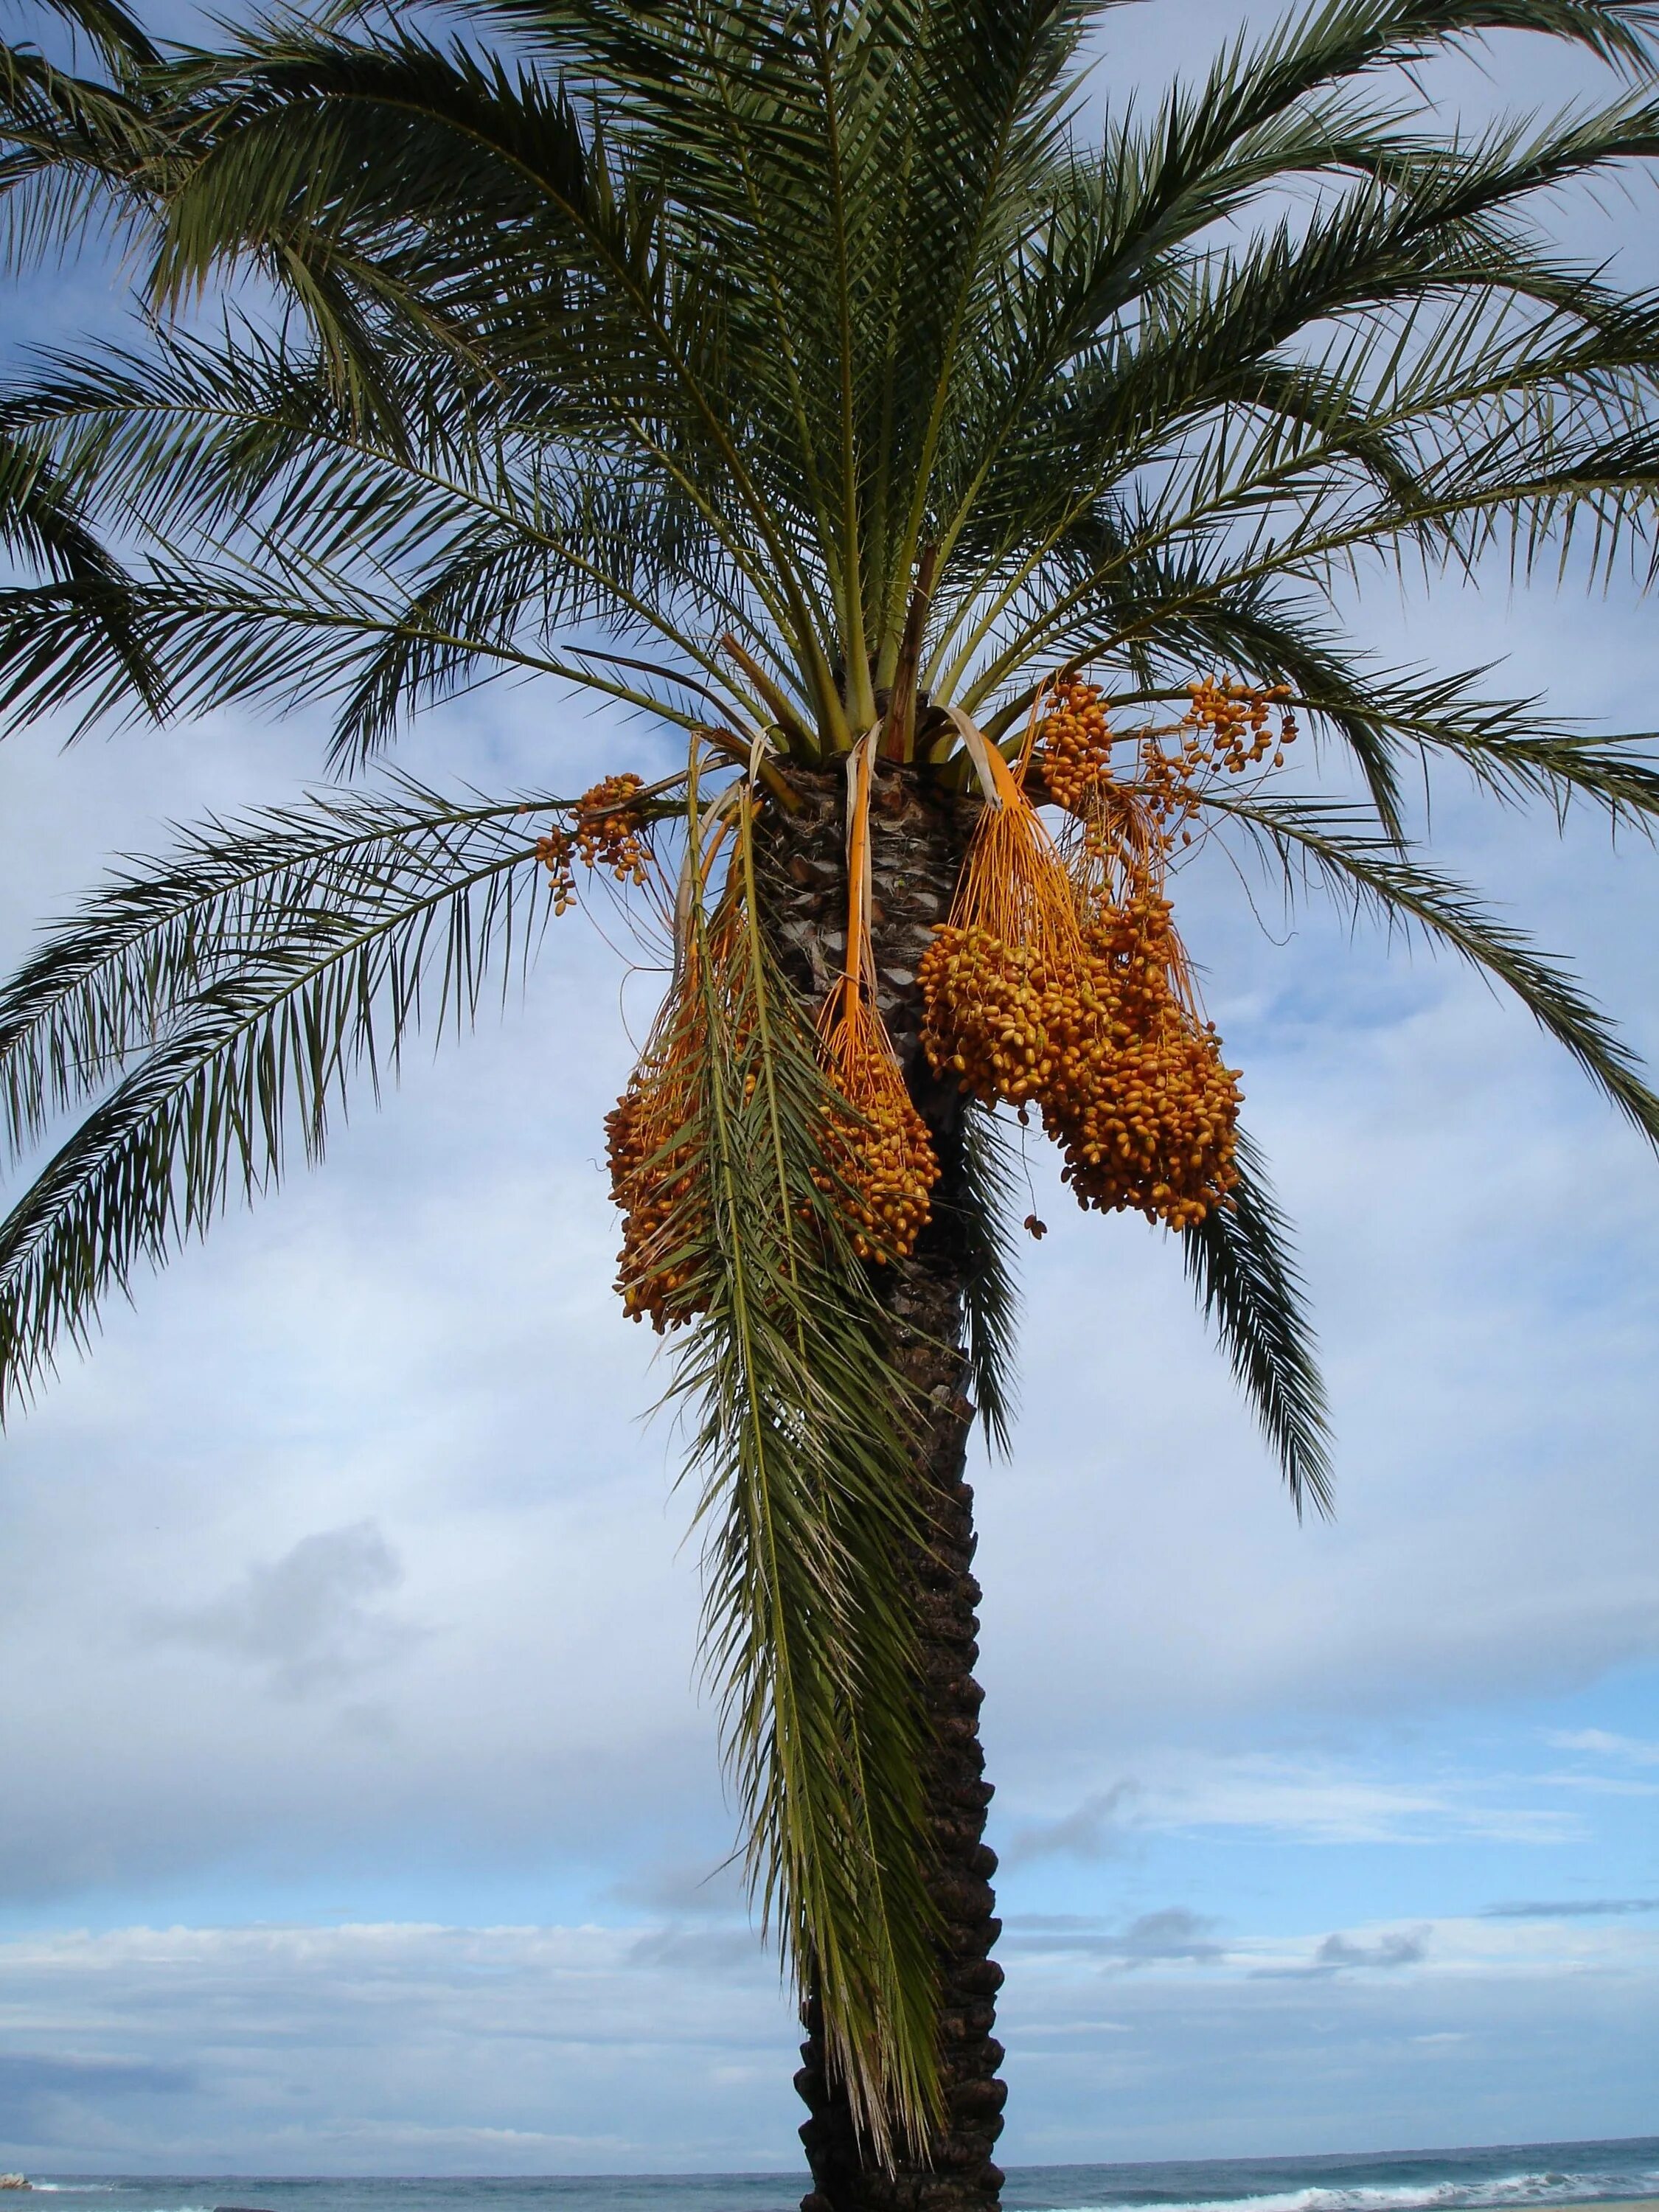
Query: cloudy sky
point(357, 1808)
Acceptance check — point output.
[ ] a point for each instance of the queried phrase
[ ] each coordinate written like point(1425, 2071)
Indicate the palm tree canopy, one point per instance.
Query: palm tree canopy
point(781, 372)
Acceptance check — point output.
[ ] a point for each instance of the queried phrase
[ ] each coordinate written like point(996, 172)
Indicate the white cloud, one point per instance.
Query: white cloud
point(1342, 1955)
point(1093, 1830)
point(475, 2049)
point(1570, 1908)
point(1604, 1741)
point(433, 2049)
point(1319, 1802)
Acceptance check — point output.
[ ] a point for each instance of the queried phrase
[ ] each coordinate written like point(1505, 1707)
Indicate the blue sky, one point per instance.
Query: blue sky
point(359, 1811)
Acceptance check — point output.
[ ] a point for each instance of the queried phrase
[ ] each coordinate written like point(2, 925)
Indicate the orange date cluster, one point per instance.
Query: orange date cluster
point(879, 1159)
point(608, 833)
point(1067, 986)
point(1152, 1126)
point(1001, 1018)
point(658, 1181)
point(655, 1187)
point(1229, 727)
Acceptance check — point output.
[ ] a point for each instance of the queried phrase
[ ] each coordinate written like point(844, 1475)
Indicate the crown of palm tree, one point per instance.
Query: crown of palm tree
point(781, 371)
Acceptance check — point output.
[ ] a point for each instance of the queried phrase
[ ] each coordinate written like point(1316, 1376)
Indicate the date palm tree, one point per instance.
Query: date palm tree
point(828, 382)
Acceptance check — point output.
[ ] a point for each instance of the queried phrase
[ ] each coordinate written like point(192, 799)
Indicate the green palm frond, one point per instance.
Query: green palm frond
point(405, 573)
point(41, 526)
point(1313, 841)
point(802, 1445)
point(1510, 748)
point(221, 1010)
point(115, 34)
point(1345, 37)
point(1067, 330)
point(1241, 1263)
point(80, 152)
point(219, 634)
point(983, 1217)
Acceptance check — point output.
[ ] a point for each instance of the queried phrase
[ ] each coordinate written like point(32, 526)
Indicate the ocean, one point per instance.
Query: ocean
point(1498, 2178)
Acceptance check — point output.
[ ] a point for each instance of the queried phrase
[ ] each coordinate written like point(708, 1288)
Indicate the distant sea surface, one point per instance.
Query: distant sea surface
point(1503, 2177)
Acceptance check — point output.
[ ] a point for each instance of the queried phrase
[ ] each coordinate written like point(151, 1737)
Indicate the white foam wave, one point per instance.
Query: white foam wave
point(1502, 2193)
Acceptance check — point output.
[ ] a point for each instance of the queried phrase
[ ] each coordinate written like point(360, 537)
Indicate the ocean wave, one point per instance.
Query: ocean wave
point(1495, 2194)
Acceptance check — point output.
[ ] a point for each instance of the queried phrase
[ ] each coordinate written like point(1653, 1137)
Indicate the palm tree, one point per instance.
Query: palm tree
point(968, 488)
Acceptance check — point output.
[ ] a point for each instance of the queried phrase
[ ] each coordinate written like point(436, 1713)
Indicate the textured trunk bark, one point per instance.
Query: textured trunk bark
point(918, 838)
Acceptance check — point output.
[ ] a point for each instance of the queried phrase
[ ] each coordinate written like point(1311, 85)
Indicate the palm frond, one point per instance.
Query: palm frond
point(981, 1209)
point(802, 1444)
point(1240, 1260)
point(41, 526)
point(115, 34)
point(221, 1010)
point(1320, 841)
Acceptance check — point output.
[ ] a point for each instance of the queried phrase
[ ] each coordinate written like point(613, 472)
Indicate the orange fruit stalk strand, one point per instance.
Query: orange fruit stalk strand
point(879, 1158)
point(1004, 981)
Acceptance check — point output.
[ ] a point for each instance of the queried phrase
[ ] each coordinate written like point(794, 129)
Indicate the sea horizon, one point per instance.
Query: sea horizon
point(1480, 2178)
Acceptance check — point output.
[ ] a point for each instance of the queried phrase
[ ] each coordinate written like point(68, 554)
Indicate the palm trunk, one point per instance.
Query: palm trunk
point(918, 837)
point(956, 2173)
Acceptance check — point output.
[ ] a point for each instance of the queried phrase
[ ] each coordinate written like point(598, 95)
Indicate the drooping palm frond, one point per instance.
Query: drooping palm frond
point(77, 145)
point(1240, 1261)
point(221, 1010)
point(41, 528)
point(1399, 727)
point(803, 1435)
point(1324, 843)
point(475, 543)
point(114, 33)
point(983, 1208)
